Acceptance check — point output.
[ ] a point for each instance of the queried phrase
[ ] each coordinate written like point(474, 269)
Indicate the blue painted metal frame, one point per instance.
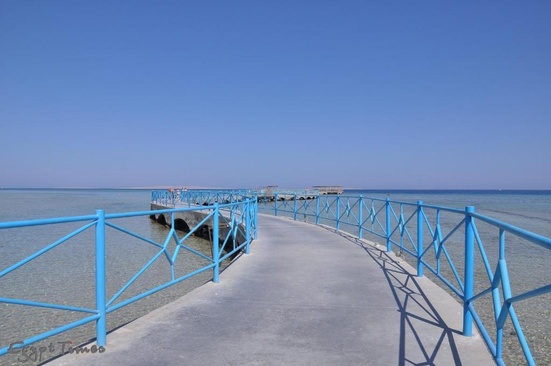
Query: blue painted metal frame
point(238, 211)
point(386, 219)
point(393, 220)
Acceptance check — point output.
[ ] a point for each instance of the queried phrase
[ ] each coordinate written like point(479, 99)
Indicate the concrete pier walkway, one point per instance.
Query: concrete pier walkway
point(304, 296)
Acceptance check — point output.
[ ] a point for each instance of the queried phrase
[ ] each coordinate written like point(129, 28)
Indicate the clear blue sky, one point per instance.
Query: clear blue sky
point(365, 94)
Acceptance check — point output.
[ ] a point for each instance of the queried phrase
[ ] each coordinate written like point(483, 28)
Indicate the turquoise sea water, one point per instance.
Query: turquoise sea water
point(65, 274)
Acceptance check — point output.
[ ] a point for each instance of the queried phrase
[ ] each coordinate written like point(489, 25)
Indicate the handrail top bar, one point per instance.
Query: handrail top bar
point(54, 220)
point(150, 212)
point(525, 234)
point(67, 219)
point(442, 208)
point(423, 205)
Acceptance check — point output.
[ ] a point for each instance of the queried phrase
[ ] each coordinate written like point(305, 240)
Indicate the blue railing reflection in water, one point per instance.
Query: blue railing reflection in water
point(454, 251)
point(238, 215)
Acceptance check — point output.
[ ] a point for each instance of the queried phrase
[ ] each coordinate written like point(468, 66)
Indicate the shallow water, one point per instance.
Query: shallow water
point(66, 274)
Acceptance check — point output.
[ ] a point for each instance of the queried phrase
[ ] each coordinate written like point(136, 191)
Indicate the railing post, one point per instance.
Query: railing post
point(360, 217)
point(295, 208)
point(338, 226)
point(249, 216)
point(469, 271)
point(317, 209)
point(256, 217)
point(387, 210)
point(101, 327)
point(420, 238)
point(215, 248)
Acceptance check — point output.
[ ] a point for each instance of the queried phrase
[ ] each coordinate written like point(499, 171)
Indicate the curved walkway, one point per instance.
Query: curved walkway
point(304, 296)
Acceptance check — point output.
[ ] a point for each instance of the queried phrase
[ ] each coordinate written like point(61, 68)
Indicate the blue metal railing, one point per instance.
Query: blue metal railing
point(171, 198)
point(235, 212)
point(233, 200)
point(449, 252)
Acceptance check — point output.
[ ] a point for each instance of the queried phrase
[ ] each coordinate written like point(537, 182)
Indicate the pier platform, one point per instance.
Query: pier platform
point(306, 295)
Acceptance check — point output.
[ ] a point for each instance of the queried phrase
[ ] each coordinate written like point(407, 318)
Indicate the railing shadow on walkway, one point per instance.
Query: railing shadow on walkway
point(408, 294)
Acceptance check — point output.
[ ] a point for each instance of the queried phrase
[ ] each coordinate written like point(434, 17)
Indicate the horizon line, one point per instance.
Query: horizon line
point(233, 188)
